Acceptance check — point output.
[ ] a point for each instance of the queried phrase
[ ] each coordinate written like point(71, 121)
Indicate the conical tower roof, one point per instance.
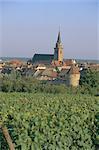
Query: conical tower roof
point(74, 70)
point(59, 38)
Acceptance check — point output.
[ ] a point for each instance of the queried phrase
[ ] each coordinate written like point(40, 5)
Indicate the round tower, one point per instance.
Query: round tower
point(74, 76)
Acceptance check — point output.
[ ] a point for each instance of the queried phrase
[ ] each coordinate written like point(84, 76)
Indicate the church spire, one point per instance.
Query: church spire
point(58, 50)
point(59, 38)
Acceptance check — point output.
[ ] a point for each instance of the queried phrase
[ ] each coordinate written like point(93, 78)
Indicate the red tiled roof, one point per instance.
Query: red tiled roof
point(16, 62)
point(49, 73)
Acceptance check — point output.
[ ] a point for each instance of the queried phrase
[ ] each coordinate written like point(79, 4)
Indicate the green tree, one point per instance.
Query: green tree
point(89, 81)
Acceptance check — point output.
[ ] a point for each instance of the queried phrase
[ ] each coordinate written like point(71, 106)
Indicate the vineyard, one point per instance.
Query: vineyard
point(41, 121)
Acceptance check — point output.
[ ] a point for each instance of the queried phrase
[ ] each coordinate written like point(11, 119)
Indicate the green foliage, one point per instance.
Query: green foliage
point(96, 137)
point(90, 81)
point(41, 121)
point(15, 82)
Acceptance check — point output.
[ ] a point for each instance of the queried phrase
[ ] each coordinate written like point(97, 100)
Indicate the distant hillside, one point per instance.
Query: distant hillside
point(10, 58)
point(26, 58)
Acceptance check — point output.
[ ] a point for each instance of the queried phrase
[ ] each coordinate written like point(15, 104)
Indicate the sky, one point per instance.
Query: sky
point(31, 26)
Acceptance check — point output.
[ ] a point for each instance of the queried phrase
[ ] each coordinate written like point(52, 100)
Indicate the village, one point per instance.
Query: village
point(68, 73)
point(50, 67)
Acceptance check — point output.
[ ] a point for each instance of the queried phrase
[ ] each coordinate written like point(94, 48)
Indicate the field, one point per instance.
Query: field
point(41, 121)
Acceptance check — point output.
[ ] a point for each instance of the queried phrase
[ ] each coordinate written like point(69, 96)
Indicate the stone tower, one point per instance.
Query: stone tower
point(58, 50)
point(74, 76)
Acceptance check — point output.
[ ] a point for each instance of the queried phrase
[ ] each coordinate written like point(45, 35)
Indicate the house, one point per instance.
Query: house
point(63, 74)
point(37, 73)
point(6, 70)
point(40, 67)
point(69, 62)
point(48, 74)
point(25, 71)
point(15, 63)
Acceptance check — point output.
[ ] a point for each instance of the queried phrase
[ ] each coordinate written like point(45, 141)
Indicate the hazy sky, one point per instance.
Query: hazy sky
point(31, 26)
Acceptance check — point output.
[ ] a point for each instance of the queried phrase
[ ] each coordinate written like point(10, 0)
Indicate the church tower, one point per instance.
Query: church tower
point(58, 50)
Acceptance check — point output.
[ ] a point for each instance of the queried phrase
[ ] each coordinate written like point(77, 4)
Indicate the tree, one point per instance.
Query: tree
point(90, 80)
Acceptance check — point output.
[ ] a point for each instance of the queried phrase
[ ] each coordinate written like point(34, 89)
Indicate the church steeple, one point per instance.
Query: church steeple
point(58, 50)
point(59, 38)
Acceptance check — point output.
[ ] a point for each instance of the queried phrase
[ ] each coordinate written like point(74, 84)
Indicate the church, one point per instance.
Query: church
point(50, 58)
